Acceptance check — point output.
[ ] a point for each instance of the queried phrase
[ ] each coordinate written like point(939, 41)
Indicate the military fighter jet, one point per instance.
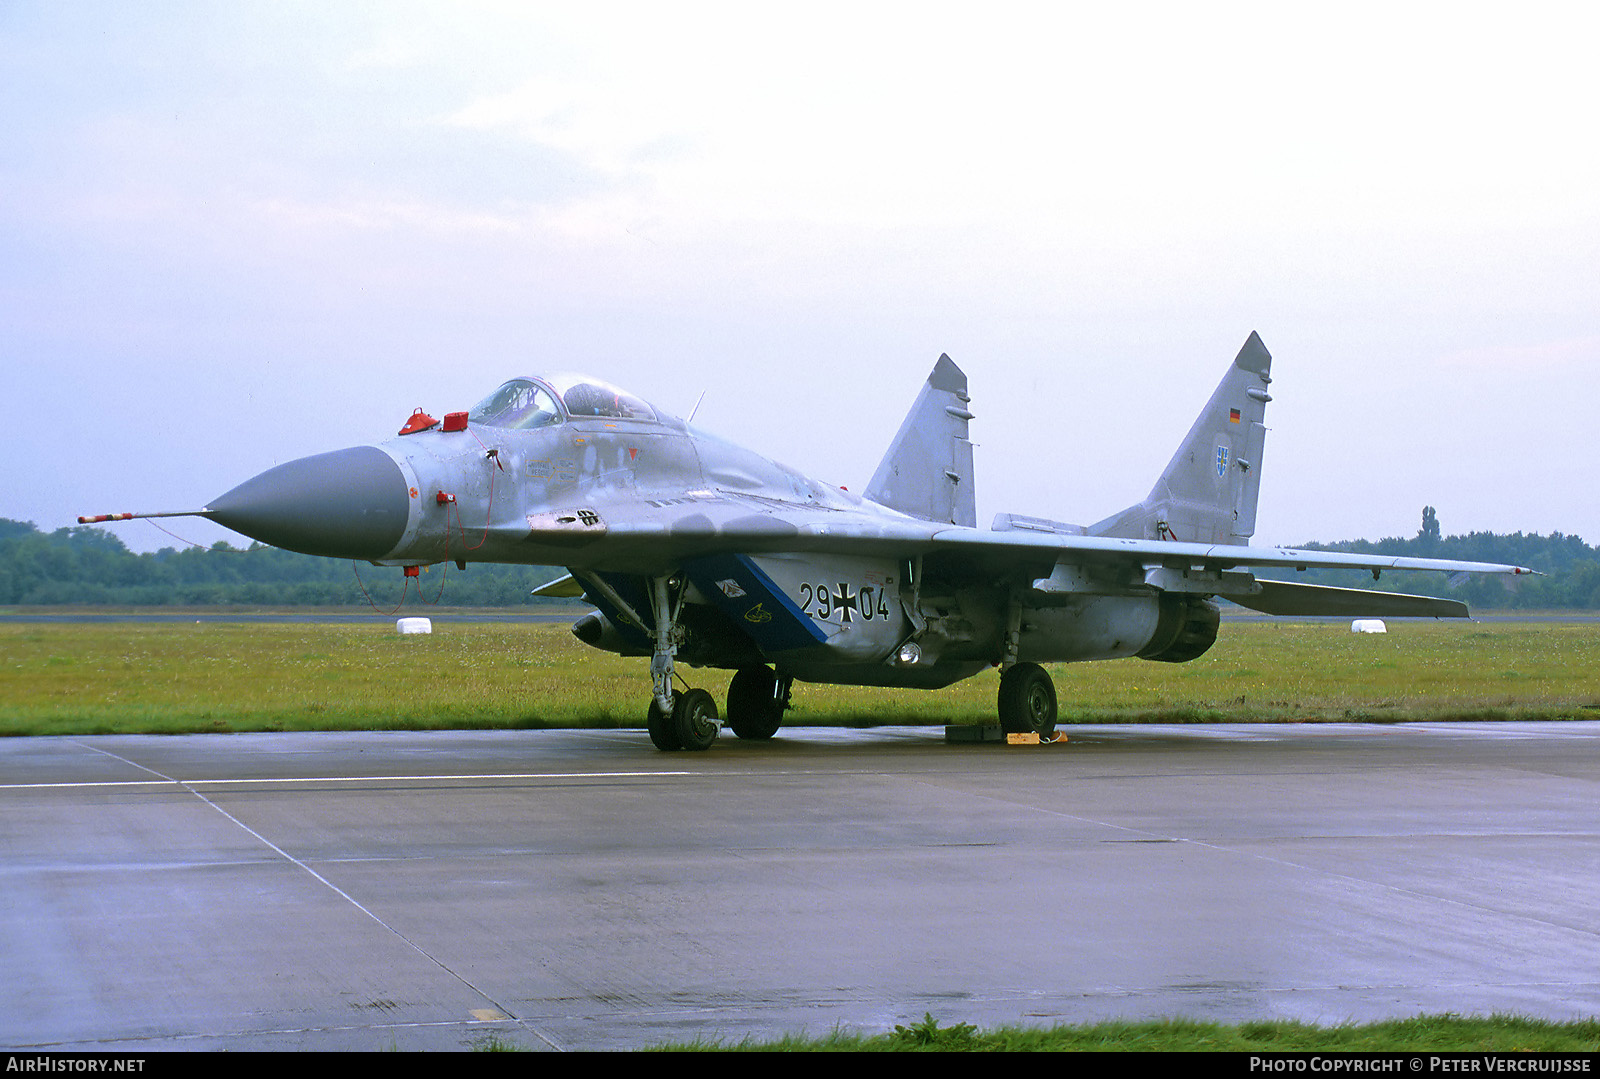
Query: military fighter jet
point(695, 551)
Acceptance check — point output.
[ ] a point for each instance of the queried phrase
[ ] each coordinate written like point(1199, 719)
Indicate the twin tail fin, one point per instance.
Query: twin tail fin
point(1209, 490)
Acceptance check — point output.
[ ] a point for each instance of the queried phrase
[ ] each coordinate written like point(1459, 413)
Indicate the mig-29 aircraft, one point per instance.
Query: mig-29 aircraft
point(696, 551)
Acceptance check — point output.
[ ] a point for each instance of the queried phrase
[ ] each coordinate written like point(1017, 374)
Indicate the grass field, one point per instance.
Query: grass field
point(219, 676)
point(1422, 1034)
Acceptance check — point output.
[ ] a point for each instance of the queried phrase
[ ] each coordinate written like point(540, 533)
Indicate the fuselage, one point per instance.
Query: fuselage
point(573, 472)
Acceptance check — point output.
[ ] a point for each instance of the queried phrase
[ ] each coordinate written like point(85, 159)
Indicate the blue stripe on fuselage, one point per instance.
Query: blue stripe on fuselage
point(761, 609)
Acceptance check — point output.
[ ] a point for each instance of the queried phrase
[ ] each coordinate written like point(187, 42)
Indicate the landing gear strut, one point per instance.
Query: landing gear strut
point(1027, 695)
point(685, 720)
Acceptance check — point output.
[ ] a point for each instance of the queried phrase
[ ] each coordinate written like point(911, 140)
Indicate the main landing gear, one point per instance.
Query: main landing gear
point(757, 697)
point(1027, 700)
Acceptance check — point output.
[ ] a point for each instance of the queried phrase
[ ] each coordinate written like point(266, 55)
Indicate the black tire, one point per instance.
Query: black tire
point(755, 710)
point(663, 730)
point(1027, 700)
point(694, 720)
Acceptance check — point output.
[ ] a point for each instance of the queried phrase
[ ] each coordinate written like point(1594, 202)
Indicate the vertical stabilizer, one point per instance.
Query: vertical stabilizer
point(927, 472)
point(1208, 492)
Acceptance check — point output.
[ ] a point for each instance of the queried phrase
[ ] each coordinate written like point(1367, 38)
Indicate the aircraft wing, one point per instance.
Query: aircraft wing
point(1218, 556)
point(1214, 569)
point(1050, 562)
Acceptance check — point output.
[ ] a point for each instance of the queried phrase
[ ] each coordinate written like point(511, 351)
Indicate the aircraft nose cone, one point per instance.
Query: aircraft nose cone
point(346, 504)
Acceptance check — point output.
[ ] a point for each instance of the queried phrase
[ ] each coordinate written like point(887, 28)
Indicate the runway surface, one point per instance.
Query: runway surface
point(578, 890)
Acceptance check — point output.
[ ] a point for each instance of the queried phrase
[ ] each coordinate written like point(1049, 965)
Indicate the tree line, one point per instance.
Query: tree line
point(1569, 568)
point(87, 565)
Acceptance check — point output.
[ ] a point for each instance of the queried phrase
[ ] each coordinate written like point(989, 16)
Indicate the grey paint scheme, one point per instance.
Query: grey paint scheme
point(1208, 491)
point(934, 434)
point(646, 514)
point(348, 503)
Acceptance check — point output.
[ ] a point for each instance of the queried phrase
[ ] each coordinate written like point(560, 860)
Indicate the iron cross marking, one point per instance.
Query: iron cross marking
point(844, 601)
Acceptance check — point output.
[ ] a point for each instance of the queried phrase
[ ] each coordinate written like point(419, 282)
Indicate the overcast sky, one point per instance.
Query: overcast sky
point(233, 234)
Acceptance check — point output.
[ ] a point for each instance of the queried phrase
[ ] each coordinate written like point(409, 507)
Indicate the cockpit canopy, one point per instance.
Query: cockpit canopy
point(525, 403)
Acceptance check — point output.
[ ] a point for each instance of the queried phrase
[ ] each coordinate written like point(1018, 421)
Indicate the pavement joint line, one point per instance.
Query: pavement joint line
point(340, 892)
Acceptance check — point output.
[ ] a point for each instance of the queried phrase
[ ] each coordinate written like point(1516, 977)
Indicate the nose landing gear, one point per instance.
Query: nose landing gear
point(685, 720)
point(691, 723)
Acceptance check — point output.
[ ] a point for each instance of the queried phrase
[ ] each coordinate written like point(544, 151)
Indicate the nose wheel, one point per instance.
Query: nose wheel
point(692, 722)
point(663, 734)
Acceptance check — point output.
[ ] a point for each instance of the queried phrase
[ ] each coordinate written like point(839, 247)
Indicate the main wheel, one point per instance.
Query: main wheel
point(663, 729)
point(1027, 700)
point(754, 708)
point(694, 719)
